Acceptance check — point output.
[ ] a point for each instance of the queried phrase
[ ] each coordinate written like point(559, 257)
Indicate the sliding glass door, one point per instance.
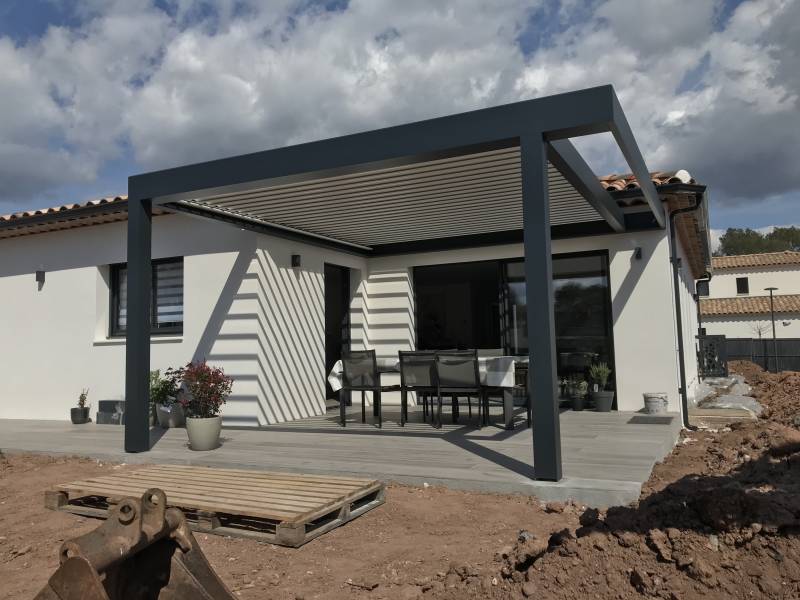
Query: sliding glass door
point(582, 311)
point(482, 305)
point(458, 306)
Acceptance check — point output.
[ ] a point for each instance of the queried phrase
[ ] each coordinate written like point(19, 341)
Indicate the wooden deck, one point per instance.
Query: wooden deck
point(281, 508)
point(606, 456)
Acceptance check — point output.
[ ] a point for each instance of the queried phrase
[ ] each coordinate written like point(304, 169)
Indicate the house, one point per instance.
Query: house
point(738, 304)
point(482, 230)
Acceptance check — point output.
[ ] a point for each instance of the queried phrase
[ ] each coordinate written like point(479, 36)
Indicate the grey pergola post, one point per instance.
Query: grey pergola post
point(137, 355)
point(539, 293)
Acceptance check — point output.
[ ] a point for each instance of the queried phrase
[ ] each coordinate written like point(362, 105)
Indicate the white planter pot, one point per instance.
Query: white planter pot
point(170, 416)
point(203, 433)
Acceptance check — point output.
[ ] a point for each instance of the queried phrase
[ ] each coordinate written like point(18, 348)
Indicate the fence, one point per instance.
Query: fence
point(762, 352)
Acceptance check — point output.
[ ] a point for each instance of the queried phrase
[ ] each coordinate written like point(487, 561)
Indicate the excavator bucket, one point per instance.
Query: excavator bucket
point(143, 551)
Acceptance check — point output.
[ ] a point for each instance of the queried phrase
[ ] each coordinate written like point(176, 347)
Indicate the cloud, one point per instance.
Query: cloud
point(706, 89)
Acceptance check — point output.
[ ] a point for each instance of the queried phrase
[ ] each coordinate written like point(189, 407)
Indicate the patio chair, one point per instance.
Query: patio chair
point(457, 375)
point(417, 374)
point(360, 374)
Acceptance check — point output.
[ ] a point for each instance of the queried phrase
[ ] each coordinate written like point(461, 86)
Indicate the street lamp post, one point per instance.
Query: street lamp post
point(772, 315)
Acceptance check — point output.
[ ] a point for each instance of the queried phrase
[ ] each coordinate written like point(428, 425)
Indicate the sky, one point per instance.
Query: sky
point(96, 90)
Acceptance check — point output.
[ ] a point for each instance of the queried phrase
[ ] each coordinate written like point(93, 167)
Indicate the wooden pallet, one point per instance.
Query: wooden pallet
point(281, 508)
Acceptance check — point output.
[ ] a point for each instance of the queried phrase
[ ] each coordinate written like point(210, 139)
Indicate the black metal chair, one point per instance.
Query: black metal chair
point(457, 375)
point(360, 373)
point(417, 374)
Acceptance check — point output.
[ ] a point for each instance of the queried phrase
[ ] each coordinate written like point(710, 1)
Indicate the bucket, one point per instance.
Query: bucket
point(655, 403)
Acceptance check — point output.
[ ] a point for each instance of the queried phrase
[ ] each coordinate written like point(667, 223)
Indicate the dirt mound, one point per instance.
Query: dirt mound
point(729, 531)
point(719, 518)
point(779, 393)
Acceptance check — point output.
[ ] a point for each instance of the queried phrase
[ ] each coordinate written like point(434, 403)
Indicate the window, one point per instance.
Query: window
point(742, 285)
point(582, 311)
point(458, 306)
point(167, 297)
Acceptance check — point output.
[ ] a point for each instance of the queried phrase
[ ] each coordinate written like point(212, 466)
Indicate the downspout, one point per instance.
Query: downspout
point(698, 201)
point(705, 277)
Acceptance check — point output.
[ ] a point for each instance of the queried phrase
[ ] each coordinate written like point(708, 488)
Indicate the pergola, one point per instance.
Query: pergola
point(495, 175)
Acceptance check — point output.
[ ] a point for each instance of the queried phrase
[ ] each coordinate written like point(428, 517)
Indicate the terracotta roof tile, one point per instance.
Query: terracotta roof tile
point(749, 305)
point(62, 208)
point(616, 183)
point(766, 259)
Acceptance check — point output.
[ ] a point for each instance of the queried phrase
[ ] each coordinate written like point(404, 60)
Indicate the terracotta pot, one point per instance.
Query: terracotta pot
point(79, 415)
point(203, 432)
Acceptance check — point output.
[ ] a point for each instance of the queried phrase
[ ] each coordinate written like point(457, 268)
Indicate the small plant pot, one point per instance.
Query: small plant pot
point(203, 432)
point(578, 402)
point(79, 415)
point(603, 401)
point(170, 415)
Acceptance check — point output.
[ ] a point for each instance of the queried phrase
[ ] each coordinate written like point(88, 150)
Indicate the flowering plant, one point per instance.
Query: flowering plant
point(205, 389)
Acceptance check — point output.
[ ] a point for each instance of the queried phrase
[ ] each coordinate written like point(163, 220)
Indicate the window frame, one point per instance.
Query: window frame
point(746, 281)
point(113, 312)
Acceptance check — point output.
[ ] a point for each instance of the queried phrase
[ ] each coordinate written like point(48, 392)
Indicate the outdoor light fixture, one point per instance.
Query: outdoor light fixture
point(637, 253)
point(40, 278)
point(296, 261)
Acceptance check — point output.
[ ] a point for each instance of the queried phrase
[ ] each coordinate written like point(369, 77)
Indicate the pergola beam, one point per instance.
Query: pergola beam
point(582, 112)
point(622, 133)
point(564, 157)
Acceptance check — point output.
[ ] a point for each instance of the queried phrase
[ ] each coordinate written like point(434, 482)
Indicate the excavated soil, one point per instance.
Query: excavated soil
point(719, 518)
point(778, 392)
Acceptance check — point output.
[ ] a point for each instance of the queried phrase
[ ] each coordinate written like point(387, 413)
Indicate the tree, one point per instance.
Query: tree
point(748, 241)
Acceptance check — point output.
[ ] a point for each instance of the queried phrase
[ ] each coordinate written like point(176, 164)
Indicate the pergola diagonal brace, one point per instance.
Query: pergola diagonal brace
point(630, 150)
point(566, 158)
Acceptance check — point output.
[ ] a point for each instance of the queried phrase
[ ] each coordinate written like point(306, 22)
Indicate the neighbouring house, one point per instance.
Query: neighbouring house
point(738, 303)
point(431, 235)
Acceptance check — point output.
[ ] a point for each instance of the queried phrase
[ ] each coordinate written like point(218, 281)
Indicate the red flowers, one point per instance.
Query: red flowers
point(205, 389)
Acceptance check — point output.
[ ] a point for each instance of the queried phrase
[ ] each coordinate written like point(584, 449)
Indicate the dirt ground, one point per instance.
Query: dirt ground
point(719, 519)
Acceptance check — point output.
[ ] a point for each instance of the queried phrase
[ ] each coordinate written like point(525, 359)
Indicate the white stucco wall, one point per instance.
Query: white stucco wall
point(245, 309)
point(248, 311)
point(786, 279)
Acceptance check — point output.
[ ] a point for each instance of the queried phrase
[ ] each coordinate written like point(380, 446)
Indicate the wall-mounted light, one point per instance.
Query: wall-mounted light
point(40, 278)
point(637, 253)
point(296, 261)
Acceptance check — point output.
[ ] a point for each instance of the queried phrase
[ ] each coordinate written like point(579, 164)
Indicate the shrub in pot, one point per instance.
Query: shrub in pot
point(603, 399)
point(577, 391)
point(205, 390)
point(80, 413)
point(163, 398)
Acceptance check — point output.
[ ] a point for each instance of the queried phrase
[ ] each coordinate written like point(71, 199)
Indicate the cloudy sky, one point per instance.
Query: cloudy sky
point(95, 90)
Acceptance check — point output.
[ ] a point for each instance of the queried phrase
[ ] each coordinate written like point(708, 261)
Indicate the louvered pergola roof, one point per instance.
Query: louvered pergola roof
point(443, 179)
point(464, 195)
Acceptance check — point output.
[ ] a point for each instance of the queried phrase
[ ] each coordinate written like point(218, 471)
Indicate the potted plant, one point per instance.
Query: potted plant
point(603, 399)
point(80, 413)
point(205, 391)
point(163, 398)
point(577, 391)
